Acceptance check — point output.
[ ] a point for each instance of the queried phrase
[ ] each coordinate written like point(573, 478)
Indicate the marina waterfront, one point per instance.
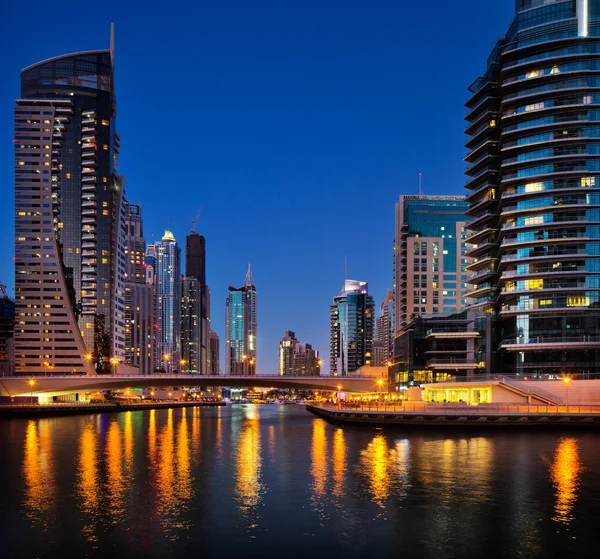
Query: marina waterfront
point(275, 481)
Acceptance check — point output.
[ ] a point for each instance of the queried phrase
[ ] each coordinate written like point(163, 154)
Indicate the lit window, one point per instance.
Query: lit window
point(588, 181)
point(105, 123)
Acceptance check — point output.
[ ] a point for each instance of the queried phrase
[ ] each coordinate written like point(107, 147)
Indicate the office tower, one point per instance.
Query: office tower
point(7, 321)
point(533, 181)
point(69, 208)
point(214, 361)
point(429, 261)
point(193, 355)
point(384, 329)
point(195, 267)
point(379, 355)
point(241, 325)
point(352, 317)
point(297, 359)
point(139, 295)
point(167, 280)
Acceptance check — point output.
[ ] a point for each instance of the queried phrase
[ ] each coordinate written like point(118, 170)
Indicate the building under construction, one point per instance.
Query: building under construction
point(7, 321)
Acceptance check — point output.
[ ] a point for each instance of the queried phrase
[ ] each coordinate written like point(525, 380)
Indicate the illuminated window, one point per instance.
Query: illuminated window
point(555, 70)
point(493, 122)
point(534, 284)
point(545, 302)
point(587, 99)
point(537, 219)
point(588, 181)
point(105, 123)
point(578, 301)
point(532, 74)
point(534, 187)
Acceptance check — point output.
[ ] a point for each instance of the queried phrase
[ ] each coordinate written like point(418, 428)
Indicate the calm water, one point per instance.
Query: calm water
point(275, 481)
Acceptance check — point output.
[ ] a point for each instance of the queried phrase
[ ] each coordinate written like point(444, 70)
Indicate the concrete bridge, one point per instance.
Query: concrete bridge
point(70, 384)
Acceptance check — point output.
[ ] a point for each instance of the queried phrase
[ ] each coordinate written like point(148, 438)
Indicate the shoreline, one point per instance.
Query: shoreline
point(45, 410)
point(455, 418)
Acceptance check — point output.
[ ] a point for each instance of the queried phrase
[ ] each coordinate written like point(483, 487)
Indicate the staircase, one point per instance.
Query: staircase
point(538, 393)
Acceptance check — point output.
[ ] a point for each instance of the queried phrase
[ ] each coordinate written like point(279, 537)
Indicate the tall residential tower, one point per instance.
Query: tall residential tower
point(69, 216)
point(534, 189)
point(352, 317)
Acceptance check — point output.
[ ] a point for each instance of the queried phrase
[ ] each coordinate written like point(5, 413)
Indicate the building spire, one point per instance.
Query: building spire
point(249, 281)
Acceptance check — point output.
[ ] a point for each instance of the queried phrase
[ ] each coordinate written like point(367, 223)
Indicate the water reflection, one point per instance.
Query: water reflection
point(376, 462)
point(38, 474)
point(318, 469)
point(115, 483)
point(339, 462)
point(249, 463)
point(565, 472)
point(184, 478)
point(89, 488)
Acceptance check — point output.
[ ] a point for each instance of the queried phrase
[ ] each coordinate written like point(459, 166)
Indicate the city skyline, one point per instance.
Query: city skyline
point(309, 313)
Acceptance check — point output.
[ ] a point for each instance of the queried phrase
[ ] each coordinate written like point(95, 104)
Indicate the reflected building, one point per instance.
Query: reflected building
point(69, 203)
point(534, 189)
point(352, 321)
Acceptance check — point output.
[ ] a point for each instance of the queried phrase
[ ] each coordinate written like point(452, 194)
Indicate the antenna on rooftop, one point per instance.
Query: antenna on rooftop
point(345, 267)
point(420, 184)
point(196, 219)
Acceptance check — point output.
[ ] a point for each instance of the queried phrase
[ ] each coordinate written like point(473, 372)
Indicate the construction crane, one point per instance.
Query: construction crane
point(3, 291)
point(196, 219)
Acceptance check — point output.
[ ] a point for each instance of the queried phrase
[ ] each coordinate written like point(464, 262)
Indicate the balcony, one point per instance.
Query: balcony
point(583, 341)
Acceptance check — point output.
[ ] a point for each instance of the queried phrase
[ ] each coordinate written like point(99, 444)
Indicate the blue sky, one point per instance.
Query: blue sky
point(296, 124)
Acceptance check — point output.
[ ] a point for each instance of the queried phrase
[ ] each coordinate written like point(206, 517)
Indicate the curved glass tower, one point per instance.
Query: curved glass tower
point(534, 181)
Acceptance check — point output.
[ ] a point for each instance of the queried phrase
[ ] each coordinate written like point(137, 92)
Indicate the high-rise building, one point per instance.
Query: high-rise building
point(241, 325)
point(429, 260)
point(385, 329)
point(7, 322)
point(297, 359)
point(352, 316)
point(197, 331)
point(214, 361)
point(69, 208)
point(534, 189)
point(140, 298)
point(193, 354)
point(167, 354)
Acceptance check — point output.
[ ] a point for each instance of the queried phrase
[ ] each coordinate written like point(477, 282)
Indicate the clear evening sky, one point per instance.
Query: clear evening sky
point(297, 124)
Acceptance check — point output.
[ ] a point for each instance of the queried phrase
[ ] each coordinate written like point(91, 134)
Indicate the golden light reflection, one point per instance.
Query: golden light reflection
point(184, 481)
point(318, 467)
point(38, 474)
point(565, 472)
point(376, 464)
point(152, 436)
point(196, 430)
point(115, 483)
point(165, 479)
point(88, 482)
point(128, 436)
point(249, 464)
point(339, 462)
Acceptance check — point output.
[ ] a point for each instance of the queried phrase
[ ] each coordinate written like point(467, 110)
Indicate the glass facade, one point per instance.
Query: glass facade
point(534, 172)
point(352, 317)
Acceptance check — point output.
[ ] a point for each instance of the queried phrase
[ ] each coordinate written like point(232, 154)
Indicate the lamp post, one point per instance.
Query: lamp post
point(182, 362)
point(567, 381)
point(251, 368)
point(339, 388)
point(380, 384)
point(45, 368)
point(113, 362)
point(31, 385)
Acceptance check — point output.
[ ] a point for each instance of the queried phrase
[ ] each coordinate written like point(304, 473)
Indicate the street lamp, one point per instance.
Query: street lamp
point(31, 384)
point(46, 364)
point(567, 381)
point(113, 362)
point(380, 383)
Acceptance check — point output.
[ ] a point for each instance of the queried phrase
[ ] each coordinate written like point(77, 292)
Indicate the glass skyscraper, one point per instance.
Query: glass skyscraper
point(352, 324)
point(534, 180)
point(167, 280)
point(241, 326)
point(429, 257)
point(69, 217)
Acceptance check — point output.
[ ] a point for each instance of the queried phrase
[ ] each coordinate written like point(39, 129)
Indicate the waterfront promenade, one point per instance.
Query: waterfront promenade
point(457, 415)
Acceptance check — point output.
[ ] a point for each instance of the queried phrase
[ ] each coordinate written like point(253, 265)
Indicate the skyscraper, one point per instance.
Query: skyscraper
point(193, 355)
point(214, 361)
point(385, 328)
point(241, 325)
point(69, 208)
point(297, 359)
point(352, 316)
point(167, 354)
point(429, 259)
point(196, 331)
point(534, 180)
point(140, 297)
